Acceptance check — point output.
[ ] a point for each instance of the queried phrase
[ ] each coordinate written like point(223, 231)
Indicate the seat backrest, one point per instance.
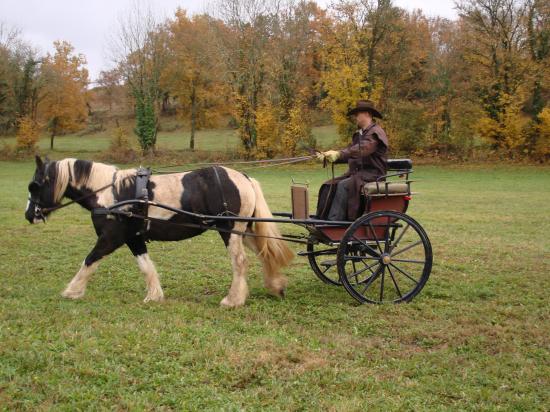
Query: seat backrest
point(399, 164)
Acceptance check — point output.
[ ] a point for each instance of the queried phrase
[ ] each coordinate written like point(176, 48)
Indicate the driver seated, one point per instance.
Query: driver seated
point(366, 156)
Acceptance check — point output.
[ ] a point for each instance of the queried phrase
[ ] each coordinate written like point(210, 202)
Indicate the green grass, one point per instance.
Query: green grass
point(476, 338)
point(215, 139)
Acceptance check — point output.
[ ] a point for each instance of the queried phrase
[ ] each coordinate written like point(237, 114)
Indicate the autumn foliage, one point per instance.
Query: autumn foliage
point(273, 70)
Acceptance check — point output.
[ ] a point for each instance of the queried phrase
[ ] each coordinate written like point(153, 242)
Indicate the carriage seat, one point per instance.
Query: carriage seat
point(386, 188)
point(399, 164)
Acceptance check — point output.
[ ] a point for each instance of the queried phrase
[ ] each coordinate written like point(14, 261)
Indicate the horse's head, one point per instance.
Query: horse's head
point(41, 191)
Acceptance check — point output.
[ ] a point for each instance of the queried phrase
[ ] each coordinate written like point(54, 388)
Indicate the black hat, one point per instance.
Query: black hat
point(365, 106)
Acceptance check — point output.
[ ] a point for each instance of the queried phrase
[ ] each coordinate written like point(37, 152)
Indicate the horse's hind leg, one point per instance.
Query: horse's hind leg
point(139, 250)
point(239, 288)
point(104, 246)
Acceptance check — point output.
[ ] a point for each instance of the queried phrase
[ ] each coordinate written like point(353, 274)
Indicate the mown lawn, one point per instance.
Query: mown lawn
point(476, 338)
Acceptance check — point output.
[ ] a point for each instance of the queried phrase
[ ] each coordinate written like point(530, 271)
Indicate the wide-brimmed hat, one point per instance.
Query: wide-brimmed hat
point(365, 106)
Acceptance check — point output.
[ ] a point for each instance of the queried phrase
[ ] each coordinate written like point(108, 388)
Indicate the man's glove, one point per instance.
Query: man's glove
point(332, 155)
point(320, 156)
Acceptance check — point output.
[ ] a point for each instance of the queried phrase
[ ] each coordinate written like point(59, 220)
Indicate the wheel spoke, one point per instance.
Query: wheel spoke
point(369, 282)
point(404, 273)
point(382, 284)
point(419, 242)
point(358, 272)
point(399, 238)
point(409, 261)
point(375, 237)
point(395, 283)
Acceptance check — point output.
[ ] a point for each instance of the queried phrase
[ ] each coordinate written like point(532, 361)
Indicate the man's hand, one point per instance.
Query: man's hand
point(320, 156)
point(332, 155)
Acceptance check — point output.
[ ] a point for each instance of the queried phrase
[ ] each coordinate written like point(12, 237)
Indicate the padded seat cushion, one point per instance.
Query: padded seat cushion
point(393, 188)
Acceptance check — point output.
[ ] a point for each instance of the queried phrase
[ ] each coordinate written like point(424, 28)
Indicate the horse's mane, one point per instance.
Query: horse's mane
point(96, 175)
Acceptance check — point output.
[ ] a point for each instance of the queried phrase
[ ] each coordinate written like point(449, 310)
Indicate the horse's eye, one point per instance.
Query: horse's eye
point(34, 187)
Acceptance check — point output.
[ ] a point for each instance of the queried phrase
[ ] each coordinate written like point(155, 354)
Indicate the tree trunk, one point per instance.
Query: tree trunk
point(54, 131)
point(193, 118)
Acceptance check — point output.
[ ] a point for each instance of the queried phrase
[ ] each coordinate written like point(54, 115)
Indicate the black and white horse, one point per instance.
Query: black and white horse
point(198, 191)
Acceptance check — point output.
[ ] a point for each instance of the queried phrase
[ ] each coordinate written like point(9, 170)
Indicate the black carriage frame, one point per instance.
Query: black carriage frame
point(370, 241)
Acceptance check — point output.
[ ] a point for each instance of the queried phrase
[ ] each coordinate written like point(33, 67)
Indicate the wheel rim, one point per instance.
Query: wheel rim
point(323, 262)
point(384, 257)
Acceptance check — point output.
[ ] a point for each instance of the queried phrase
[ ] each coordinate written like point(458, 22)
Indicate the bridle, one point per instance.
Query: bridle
point(40, 210)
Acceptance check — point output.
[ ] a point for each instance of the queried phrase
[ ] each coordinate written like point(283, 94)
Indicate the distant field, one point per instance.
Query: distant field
point(217, 139)
point(476, 338)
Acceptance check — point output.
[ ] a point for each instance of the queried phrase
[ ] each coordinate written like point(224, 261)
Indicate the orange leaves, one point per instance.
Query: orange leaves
point(63, 104)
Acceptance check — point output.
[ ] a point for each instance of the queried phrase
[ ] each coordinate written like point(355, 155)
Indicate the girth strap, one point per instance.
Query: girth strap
point(142, 192)
point(220, 187)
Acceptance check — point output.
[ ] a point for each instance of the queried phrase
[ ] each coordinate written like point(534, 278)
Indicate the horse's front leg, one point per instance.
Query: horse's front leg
point(105, 245)
point(139, 250)
point(239, 288)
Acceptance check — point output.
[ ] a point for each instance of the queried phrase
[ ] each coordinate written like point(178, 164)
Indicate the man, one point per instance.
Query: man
point(366, 156)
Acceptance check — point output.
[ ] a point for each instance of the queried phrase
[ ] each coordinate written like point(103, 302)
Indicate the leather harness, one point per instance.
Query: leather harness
point(142, 193)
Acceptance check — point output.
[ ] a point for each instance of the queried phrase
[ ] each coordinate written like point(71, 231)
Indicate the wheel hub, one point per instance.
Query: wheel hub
point(385, 259)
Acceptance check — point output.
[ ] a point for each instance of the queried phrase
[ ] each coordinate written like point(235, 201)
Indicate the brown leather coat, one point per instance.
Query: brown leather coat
point(366, 157)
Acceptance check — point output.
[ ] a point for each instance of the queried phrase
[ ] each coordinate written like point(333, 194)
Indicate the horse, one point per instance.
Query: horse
point(210, 191)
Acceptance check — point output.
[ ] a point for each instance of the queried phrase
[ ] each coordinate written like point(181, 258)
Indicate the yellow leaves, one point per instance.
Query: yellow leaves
point(28, 134)
point(507, 131)
point(345, 76)
point(542, 145)
point(298, 129)
point(267, 132)
point(274, 137)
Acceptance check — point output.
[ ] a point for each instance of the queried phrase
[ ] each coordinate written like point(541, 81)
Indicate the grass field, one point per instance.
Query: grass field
point(216, 139)
point(476, 338)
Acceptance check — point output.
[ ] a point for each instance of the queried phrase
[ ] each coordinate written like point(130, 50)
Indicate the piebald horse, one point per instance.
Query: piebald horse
point(197, 191)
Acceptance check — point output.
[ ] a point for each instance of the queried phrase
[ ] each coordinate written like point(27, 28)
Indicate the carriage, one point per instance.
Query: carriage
point(383, 256)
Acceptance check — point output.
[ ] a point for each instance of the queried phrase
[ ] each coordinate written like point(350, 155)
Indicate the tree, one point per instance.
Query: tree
point(63, 101)
point(109, 81)
point(192, 72)
point(344, 76)
point(244, 44)
point(139, 47)
point(495, 34)
point(19, 79)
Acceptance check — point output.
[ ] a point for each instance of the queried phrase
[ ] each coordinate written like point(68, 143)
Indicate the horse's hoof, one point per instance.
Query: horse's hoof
point(70, 294)
point(153, 298)
point(228, 303)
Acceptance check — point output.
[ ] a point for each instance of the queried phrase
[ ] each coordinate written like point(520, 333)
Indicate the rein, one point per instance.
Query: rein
point(40, 210)
point(254, 164)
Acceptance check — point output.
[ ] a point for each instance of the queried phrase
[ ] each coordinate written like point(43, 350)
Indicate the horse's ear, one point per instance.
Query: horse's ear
point(39, 162)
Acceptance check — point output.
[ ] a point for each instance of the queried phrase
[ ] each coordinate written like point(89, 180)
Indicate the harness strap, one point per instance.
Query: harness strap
point(220, 188)
point(142, 192)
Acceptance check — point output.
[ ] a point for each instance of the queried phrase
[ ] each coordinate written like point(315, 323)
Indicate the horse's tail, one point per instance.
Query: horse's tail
point(274, 253)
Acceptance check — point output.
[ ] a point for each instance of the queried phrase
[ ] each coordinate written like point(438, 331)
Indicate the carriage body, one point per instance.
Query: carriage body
point(382, 244)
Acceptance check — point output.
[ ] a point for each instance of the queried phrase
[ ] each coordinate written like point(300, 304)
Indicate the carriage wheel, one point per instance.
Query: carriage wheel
point(384, 257)
point(322, 259)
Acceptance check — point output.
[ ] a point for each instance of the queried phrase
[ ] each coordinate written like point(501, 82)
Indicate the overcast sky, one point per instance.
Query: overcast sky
point(87, 24)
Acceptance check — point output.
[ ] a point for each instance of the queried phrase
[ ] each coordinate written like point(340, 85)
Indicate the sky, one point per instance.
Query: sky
point(88, 24)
